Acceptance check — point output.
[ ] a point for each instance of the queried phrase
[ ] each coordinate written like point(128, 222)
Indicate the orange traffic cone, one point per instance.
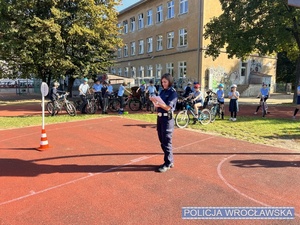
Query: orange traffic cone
point(44, 141)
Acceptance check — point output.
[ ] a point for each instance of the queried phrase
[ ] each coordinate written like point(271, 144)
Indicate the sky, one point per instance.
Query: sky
point(126, 3)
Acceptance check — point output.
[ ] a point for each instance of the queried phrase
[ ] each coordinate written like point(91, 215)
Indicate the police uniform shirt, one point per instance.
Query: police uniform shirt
point(97, 87)
point(152, 90)
point(121, 90)
point(220, 95)
point(169, 96)
point(110, 89)
point(264, 91)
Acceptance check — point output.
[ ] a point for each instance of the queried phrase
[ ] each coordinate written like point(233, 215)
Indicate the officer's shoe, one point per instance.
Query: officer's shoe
point(164, 168)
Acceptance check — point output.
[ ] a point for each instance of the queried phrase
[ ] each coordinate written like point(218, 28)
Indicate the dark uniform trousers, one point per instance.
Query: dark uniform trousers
point(165, 129)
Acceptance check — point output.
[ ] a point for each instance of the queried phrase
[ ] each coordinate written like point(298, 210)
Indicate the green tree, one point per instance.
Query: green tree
point(54, 38)
point(261, 26)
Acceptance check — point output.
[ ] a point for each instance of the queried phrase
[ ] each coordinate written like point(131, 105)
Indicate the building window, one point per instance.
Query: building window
point(120, 71)
point(182, 37)
point(125, 26)
point(141, 71)
point(182, 69)
point(113, 71)
point(132, 48)
point(141, 46)
point(158, 71)
point(244, 69)
point(125, 50)
point(171, 12)
point(126, 69)
point(149, 17)
point(170, 40)
point(119, 53)
point(159, 14)
point(133, 72)
point(119, 28)
point(159, 46)
point(132, 24)
point(183, 6)
point(170, 68)
point(141, 21)
point(149, 44)
point(150, 71)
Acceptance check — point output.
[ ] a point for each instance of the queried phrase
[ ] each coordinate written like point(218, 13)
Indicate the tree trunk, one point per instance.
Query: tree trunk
point(70, 85)
point(297, 79)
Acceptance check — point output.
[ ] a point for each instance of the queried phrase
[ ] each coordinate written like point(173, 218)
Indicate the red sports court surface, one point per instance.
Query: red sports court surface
point(101, 171)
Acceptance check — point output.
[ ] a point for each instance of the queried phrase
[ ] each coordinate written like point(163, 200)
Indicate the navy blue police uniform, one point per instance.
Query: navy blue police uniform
point(165, 124)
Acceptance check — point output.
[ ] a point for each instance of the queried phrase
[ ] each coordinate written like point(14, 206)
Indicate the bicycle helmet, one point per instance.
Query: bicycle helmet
point(151, 81)
point(85, 79)
point(143, 82)
point(233, 86)
point(56, 84)
point(197, 86)
point(264, 84)
point(221, 85)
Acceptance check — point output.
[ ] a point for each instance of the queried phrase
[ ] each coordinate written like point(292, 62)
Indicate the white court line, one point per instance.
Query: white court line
point(235, 189)
point(33, 193)
point(53, 129)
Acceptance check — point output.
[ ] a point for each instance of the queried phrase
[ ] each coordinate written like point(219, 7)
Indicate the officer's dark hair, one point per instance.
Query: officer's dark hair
point(168, 77)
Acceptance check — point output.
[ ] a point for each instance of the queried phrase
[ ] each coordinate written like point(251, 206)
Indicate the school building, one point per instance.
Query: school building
point(166, 36)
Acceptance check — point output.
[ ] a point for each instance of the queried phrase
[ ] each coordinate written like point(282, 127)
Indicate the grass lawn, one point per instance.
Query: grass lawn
point(277, 132)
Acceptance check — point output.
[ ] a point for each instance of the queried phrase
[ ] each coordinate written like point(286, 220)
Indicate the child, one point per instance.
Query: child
point(143, 92)
point(105, 94)
point(122, 89)
point(264, 95)
point(298, 101)
point(233, 95)
point(220, 98)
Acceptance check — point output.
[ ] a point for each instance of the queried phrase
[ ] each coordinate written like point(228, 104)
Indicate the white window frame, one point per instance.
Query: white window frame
point(120, 71)
point(125, 50)
point(158, 71)
point(141, 71)
point(159, 43)
point(141, 47)
point(119, 53)
point(132, 48)
point(170, 68)
point(119, 28)
point(182, 69)
point(133, 72)
point(149, 44)
point(126, 70)
point(170, 39)
point(149, 17)
point(171, 9)
point(132, 24)
point(183, 6)
point(125, 26)
point(182, 37)
point(159, 14)
point(149, 71)
point(140, 21)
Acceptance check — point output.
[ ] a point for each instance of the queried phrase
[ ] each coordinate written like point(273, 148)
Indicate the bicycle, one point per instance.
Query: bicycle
point(149, 104)
point(91, 106)
point(264, 105)
point(134, 103)
point(61, 103)
point(182, 119)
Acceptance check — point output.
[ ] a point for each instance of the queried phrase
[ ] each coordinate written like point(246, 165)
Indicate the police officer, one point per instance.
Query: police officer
point(165, 120)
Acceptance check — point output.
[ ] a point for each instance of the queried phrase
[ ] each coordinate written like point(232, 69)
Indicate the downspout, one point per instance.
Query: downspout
point(200, 40)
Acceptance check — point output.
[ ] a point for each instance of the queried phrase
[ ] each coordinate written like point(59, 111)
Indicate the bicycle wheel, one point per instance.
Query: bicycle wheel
point(182, 119)
point(50, 108)
point(135, 104)
point(213, 112)
point(90, 108)
point(264, 111)
point(152, 108)
point(205, 117)
point(70, 108)
point(114, 105)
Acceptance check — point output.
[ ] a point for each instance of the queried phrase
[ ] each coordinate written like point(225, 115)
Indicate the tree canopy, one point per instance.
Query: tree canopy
point(51, 38)
point(262, 26)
